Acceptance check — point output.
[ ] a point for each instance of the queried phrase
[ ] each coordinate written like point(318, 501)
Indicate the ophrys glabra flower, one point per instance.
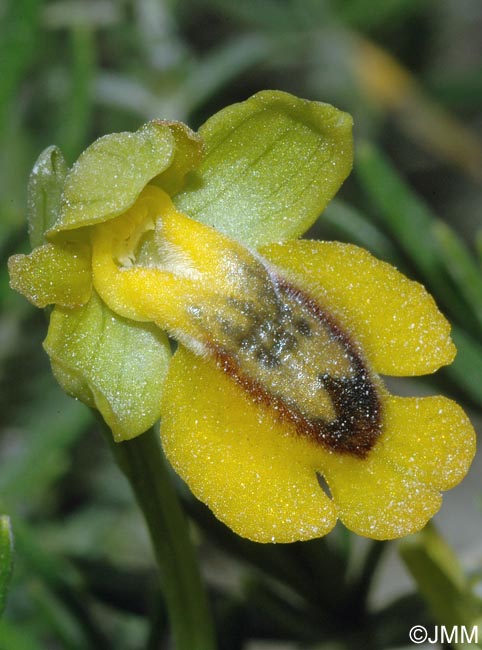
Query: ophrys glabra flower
point(275, 381)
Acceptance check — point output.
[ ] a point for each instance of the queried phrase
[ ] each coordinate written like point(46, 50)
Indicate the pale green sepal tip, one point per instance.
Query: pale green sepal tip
point(6, 558)
point(110, 363)
point(44, 193)
point(110, 174)
point(272, 164)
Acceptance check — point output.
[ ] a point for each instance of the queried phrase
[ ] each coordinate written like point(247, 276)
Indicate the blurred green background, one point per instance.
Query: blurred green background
point(410, 72)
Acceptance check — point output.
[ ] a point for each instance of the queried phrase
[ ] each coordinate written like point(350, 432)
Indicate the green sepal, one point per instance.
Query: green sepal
point(110, 174)
point(110, 363)
point(44, 193)
point(53, 274)
point(272, 164)
point(6, 558)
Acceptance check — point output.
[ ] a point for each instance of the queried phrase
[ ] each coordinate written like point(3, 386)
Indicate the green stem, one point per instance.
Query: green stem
point(143, 464)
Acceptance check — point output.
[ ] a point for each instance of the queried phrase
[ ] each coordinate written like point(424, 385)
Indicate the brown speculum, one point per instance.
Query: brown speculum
point(289, 353)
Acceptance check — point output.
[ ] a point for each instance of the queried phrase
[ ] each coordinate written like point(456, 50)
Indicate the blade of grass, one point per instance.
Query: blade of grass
point(6, 559)
point(410, 221)
point(364, 580)
point(16, 637)
point(63, 582)
point(120, 92)
point(17, 152)
point(55, 422)
point(287, 618)
point(478, 245)
point(405, 216)
point(367, 14)
point(81, 13)
point(460, 88)
point(17, 45)
point(223, 65)
point(391, 87)
point(462, 268)
point(55, 617)
point(440, 579)
point(352, 224)
point(270, 14)
point(275, 560)
point(163, 47)
point(73, 131)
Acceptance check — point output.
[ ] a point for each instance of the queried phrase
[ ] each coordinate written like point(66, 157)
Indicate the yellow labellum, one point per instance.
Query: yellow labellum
point(221, 300)
point(277, 382)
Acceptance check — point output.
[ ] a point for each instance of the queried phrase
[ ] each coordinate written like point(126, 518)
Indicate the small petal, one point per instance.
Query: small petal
point(187, 156)
point(53, 274)
point(430, 439)
point(110, 174)
point(373, 499)
point(272, 164)
point(251, 470)
point(394, 319)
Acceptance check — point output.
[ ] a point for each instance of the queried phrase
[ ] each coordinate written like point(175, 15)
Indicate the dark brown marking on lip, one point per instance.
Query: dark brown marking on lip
point(355, 400)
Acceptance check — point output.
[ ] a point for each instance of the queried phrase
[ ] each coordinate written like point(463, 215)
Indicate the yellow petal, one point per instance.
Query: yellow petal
point(430, 439)
point(375, 500)
point(254, 472)
point(393, 318)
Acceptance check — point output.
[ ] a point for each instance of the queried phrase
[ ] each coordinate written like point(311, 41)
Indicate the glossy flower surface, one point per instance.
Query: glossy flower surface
point(275, 381)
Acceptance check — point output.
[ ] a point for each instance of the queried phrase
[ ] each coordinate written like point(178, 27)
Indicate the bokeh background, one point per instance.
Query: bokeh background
point(410, 72)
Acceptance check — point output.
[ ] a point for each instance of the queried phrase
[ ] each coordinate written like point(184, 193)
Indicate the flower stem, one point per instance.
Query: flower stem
point(142, 462)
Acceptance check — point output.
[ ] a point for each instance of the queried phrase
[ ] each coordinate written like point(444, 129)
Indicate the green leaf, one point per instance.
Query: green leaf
point(57, 590)
point(410, 221)
point(6, 558)
point(461, 266)
point(350, 223)
point(46, 431)
point(478, 246)
point(226, 62)
point(44, 193)
point(110, 174)
point(440, 578)
point(18, 637)
point(272, 164)
point(110, 363)
point(368, 14)
point(79, 101)
point(402, 212)
point(18, 45)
